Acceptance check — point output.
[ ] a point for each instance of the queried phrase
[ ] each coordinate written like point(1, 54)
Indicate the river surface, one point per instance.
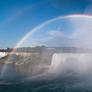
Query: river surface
point(63, 76)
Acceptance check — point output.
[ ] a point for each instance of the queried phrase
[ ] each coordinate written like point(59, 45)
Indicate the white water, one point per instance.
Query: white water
point(66, 62)
point(3, 54)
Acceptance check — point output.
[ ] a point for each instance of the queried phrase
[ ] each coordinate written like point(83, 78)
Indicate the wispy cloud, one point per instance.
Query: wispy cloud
point(81, 36)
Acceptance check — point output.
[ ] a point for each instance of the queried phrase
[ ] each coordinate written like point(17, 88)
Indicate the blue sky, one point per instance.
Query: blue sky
point(17, 17)
point(74, 31)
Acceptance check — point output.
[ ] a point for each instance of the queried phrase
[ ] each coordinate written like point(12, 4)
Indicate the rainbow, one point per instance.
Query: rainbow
point(31, 31)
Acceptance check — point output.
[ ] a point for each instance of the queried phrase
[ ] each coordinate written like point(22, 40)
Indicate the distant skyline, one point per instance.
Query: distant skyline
point(17, 17)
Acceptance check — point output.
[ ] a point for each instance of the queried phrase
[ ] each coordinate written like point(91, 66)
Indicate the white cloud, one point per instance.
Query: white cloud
point(55, 33)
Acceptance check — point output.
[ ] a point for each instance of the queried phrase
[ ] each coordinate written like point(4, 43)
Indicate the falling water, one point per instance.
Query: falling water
point(77, 62)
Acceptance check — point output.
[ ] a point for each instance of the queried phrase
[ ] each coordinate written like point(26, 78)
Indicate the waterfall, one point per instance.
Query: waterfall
point(76, 62)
